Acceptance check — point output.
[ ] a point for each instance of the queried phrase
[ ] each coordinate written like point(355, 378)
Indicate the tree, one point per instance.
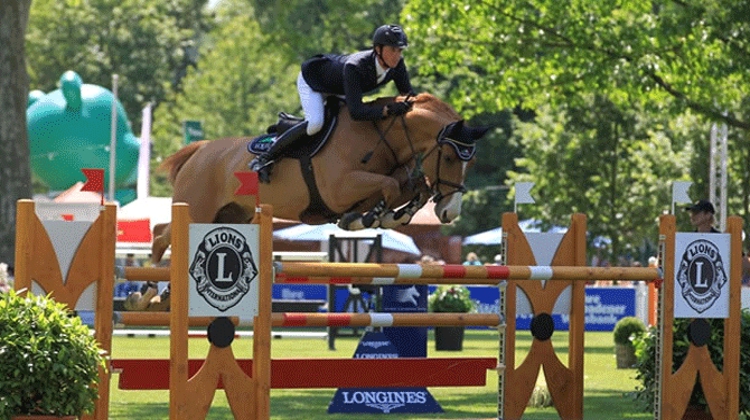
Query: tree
point(535, 52)
point(149, 44)
point(303, 28)
point(15, 172)
point(237, 89)
point(614, 165)
point(681, 55)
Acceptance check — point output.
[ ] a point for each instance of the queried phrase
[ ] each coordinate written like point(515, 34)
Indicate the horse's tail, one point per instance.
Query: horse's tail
point(174, 163)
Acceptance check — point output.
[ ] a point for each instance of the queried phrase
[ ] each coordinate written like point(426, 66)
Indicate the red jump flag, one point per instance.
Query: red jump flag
point(94, 181)
point(248, 183)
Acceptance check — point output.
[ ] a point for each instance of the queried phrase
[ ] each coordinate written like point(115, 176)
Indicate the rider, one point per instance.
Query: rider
point(351, 76)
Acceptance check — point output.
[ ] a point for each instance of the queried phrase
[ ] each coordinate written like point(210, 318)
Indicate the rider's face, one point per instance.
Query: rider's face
point(391, 55)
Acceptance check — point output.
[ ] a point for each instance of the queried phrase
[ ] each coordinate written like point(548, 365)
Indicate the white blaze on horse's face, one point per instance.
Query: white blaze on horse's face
point(449, 207)
point(456, 150)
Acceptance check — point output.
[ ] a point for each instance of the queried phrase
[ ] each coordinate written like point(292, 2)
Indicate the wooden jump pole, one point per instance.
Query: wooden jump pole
point(486, 274)
point(515, 384)
point(190, 396)
point(721, 388)
point(36, 262)
point(384, 320)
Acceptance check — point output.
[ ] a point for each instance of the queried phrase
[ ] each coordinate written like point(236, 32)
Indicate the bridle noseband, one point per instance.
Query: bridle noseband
point(464, 151)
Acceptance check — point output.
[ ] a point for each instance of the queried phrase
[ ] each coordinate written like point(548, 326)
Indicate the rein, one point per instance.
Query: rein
point(417, 171)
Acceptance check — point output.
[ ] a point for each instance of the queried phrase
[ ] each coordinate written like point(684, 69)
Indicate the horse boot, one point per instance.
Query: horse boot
point(262, 164)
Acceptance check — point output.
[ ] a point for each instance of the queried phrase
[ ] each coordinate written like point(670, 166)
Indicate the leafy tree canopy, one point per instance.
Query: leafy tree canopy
point(548, 51)
point(148, 44)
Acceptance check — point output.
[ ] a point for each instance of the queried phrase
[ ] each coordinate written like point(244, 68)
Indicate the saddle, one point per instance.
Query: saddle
point(303, 148)
point(317, 211)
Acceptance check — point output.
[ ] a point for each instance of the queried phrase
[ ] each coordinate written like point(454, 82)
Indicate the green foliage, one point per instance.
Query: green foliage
point(148, 44)
point(676, 60)
point(239, 97)
point(450, 299)
point(645, 349)
point(534, 53)
point(626, 158)
point(309, 27)
point(48, 358)
point(627, 329)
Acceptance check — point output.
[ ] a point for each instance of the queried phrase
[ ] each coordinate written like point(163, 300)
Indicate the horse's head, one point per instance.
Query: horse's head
point(448, 147)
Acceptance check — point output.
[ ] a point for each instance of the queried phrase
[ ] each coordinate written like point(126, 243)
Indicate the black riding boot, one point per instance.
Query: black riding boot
point(262, 164)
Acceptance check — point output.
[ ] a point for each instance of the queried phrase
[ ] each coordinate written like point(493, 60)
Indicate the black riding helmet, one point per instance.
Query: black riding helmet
point(391, 35)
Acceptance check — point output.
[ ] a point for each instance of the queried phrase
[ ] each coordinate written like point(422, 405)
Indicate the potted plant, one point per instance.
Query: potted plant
point(697, 406)
point(626, 330)
point(49, 360)
point(450, 298)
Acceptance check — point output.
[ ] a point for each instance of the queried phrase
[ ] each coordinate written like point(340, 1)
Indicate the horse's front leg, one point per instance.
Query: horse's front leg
point(162, 240)
point(414, 190)
point(361, 186)
point(403, 216)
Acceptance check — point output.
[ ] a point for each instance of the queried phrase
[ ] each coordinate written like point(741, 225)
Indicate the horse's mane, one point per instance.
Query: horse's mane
point(174, 162)
point(432, 103)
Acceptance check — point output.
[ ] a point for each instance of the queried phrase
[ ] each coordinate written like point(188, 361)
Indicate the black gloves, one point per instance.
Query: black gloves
point(394, 109)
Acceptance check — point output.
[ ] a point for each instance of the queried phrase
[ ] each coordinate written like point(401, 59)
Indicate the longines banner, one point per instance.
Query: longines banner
point(223, 270)
point(701, 283)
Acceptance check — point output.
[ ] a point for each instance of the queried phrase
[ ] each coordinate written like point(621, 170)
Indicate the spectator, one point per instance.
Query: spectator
point(498, 259)
point(427, 259)
point(702, 216)
point(125, 288)
point(472, 259)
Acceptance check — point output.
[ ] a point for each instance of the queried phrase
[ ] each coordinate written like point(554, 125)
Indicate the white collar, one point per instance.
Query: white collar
point(379, 70)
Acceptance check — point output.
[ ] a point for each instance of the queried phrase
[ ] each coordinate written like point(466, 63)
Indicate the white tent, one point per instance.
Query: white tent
point(390, 238)
point(495, 236)
point(155, 209)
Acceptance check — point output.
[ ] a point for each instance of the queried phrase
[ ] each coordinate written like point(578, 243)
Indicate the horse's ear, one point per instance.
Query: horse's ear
point(477, 133)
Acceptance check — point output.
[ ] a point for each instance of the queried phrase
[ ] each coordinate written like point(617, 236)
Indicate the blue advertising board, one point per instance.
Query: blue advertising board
point(300, 292)
point(604, 305)
point(376, 345)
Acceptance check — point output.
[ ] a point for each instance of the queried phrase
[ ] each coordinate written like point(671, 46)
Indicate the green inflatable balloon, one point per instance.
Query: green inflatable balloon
point(70, 129)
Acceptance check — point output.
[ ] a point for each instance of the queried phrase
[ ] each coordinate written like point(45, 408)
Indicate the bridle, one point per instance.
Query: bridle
point(464, 151)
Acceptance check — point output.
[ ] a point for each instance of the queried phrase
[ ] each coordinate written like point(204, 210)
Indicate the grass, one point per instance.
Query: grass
point(605, 387)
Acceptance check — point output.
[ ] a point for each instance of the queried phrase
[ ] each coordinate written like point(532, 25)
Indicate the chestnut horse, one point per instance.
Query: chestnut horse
point(368, 174)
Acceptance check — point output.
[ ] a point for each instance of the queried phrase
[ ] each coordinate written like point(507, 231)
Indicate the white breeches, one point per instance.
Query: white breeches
point(313, 105)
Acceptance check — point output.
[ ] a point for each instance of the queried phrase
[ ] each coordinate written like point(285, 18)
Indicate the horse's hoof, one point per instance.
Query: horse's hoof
point(351, 221)
point(392, 220)
point(370, 221)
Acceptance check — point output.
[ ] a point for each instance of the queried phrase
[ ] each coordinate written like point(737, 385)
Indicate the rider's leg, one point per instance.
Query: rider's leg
point(313, 105)
point(263, 163)
point(314, 109)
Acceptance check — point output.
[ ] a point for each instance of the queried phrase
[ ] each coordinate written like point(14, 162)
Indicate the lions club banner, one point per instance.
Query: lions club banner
point(701, 283)
point(223, 270)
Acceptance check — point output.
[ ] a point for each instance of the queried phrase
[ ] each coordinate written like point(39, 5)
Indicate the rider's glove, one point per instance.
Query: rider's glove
point(394, 109)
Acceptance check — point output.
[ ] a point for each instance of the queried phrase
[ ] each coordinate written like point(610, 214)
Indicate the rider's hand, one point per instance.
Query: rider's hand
point(395, 109)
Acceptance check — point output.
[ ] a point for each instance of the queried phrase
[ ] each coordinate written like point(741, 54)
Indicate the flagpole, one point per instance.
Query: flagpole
point(144, 154)
point(112, 142)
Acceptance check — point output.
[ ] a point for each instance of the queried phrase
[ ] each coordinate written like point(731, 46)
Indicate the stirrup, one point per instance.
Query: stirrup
point(259, 163)
point(264, 173)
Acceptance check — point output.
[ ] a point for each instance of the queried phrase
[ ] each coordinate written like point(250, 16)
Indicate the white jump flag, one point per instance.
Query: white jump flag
point(523, 195)
point(679, 192)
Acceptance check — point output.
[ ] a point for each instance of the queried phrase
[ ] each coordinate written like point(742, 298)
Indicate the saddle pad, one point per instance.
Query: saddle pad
point(304, 148)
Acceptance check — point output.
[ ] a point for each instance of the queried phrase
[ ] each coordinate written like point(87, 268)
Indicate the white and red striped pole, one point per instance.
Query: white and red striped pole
point(369, 273)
